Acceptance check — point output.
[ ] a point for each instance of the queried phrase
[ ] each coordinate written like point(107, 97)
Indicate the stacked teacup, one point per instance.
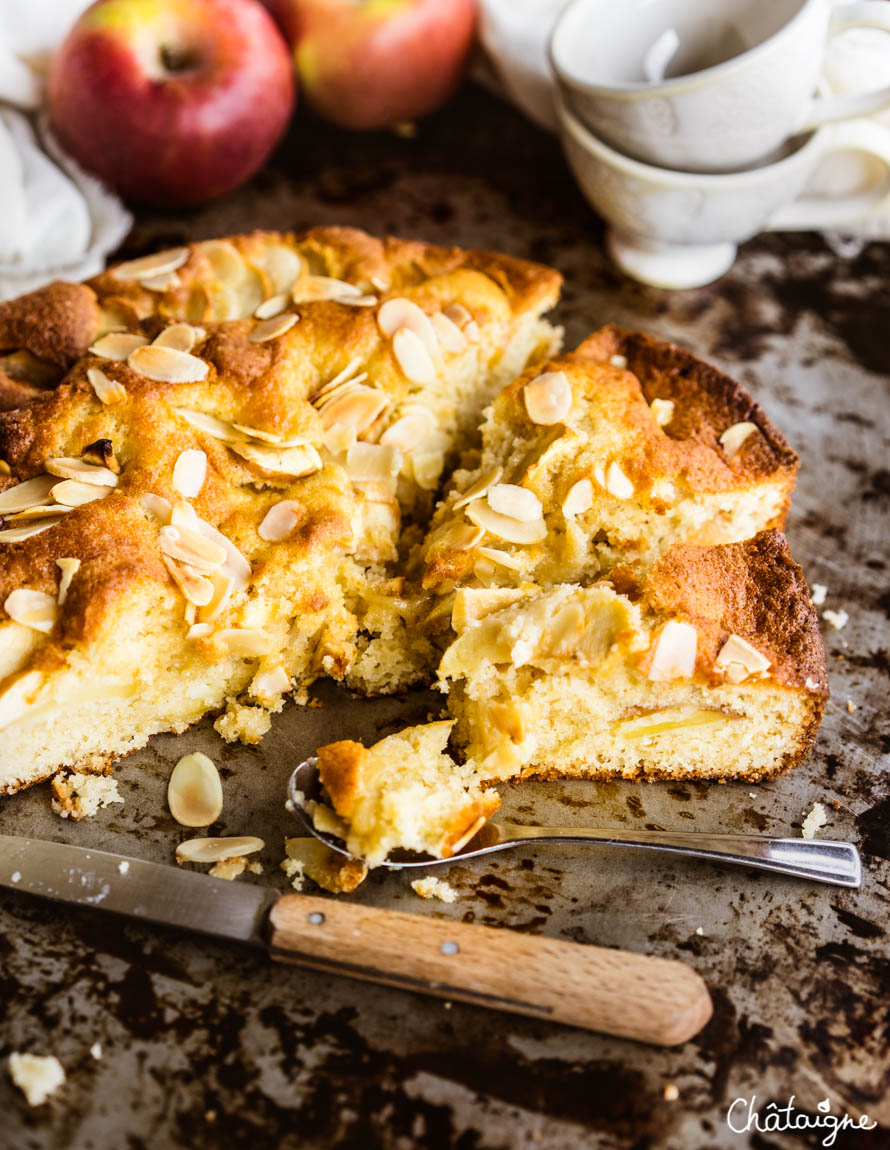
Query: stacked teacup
point(692, 126)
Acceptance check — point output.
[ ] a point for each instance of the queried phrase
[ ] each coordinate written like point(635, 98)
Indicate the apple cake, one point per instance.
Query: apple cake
point(221, 466)
point(211, 458)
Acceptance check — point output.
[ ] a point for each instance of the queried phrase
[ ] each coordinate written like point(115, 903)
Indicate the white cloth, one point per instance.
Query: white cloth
point(515, 33)
point(55, 220)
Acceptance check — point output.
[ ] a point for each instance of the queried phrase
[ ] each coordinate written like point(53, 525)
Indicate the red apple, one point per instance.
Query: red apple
point(373, 63)
point(172, 102)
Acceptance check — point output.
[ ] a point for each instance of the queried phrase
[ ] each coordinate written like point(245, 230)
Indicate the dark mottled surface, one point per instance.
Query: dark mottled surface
point(206, 1045)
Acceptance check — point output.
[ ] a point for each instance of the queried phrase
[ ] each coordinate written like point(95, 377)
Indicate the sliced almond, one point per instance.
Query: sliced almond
point(195, 586)
point(190, 547)
point(479, 487)
point(412, 356)
point(410, 430)
point(398, 314)
point(31, 493)
point(618, 361)
point(154, 265)
point(34, 609)
point(180, 337)
point(194, 792)
point(502, 558)
point(226, 261)
point(310, 288)
point(673, 653)
point(738, 660)
point(74, 493)
point(338, 440)
point(118, 345)
point(256, 433)
point(101, 454)
point(68, 568)
point(40, 512)
point(236, 564)
point(107, 390)
point(662, 411)
point(459, 536)
point(157, 505)
point(189, 472)
point(211, 850)
point(246, 642)
point(218, 428)
point(350, 371)
point(367, 462)
point(166, 365)
point(504, 526)
point(578, 499)
point(281, 265)
point(272, 328)
point(19, 534)
point(290, 462)
point(280, 520)
point(449, 335)
point(426, 467)
point(272, 307)
point(732, 439)
point(548, 398)
point(517, 502)
point(613, 480)
point(199, 630)
point(357, 410)
point(472, 332)
point(69, 468)
point(167, 281)
point(268, 685)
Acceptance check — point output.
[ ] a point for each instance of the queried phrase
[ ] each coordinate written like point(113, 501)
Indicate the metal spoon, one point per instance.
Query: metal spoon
point(820, 860)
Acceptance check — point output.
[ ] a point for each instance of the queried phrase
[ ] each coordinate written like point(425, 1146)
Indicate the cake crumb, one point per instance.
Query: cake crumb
point(432, 887)
point(819, 594)
point(36, 1075)
point(670, 1092)
point(229, 868)
point(699, 930)
point(79, 796)
point(752, 794)
point(816, 819)
point(255, 867)
point(851, 707)
point(123, 866)
point(96, 1050)
point(243, 723)
point(837, 619)
point(293, 868)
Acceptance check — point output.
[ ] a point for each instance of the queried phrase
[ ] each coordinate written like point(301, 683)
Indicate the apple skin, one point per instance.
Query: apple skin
point(374, 63)
point(172, 102)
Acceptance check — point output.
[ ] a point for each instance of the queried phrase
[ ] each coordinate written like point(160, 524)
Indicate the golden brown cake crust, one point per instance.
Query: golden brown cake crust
point(707, 401)
point(339, 765)
point(56, 323)
point(752, 589)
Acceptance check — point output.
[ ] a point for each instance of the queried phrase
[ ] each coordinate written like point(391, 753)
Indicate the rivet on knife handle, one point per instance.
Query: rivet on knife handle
point(616, 992)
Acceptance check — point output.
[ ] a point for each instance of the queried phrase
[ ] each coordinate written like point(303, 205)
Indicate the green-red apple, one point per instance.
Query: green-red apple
point(172, 102)
point(373, 63)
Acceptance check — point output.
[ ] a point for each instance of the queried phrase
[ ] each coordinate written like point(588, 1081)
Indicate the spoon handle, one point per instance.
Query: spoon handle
point(656, 1000)
point(821, 860)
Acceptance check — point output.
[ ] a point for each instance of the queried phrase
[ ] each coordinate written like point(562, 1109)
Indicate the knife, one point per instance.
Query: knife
point(617, 992)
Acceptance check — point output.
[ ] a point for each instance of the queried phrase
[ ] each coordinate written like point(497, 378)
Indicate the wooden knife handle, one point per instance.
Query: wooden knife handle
point(617, 992)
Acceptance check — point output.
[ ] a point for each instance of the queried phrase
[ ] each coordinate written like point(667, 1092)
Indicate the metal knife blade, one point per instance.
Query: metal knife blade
point(143, 890)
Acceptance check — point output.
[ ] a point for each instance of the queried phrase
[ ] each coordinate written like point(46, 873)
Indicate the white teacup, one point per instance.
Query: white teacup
point(681, 229)
point(740, 83)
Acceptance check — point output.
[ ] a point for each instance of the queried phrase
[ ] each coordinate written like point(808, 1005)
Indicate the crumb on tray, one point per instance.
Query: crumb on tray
point(36, 1075)
point(78, 796)
point(435, 888)
point(815, 820)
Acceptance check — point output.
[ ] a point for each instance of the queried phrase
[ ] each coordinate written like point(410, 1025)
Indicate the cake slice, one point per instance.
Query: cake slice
point(708, 665)
point(203, 497)
point(609, 454)
point(403, 793)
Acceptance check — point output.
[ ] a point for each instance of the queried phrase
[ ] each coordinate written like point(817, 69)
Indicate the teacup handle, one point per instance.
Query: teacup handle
point(813, 213)
point(825, 110)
